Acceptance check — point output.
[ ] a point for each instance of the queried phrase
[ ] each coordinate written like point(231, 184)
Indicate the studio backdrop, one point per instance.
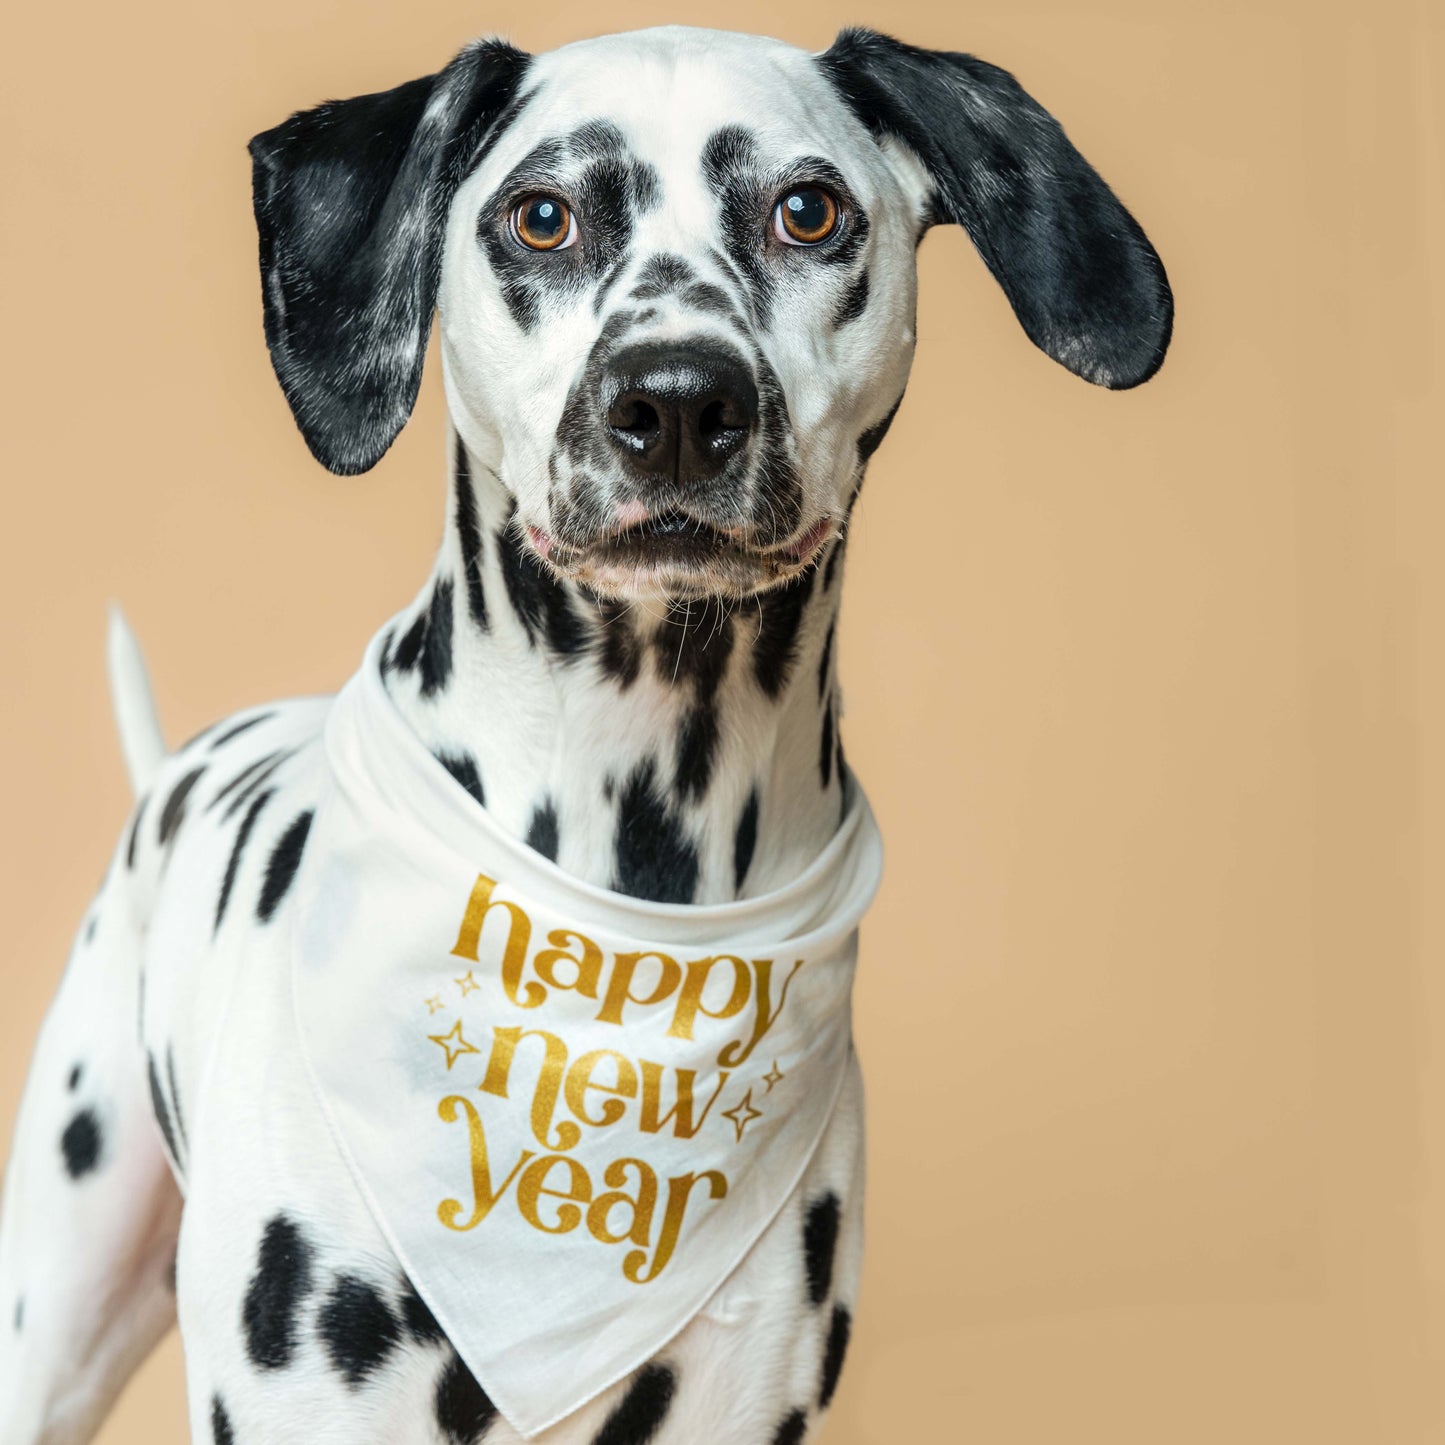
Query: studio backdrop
point(1146, 687)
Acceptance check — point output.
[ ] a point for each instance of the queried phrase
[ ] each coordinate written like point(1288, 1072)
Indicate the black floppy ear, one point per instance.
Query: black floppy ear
point(1079, 273)
point(351, 200)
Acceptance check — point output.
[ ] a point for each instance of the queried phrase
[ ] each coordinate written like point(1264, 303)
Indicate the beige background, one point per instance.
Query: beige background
point(1146, 687)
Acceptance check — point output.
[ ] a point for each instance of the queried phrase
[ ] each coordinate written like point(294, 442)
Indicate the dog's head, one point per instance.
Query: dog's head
point(675, 275)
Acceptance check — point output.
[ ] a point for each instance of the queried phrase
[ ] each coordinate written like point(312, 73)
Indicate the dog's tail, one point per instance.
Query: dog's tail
point(141, 739)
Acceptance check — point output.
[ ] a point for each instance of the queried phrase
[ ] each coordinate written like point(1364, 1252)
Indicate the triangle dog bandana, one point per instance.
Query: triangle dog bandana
point(571, 1112)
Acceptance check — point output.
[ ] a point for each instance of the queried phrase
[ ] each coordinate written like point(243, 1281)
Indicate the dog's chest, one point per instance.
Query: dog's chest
point(290, 1294)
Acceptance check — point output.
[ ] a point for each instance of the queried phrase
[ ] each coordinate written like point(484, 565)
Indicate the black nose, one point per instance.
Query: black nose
point(679, 411)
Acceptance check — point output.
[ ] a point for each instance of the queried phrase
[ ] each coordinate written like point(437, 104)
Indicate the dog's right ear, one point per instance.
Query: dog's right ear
point(351, 200)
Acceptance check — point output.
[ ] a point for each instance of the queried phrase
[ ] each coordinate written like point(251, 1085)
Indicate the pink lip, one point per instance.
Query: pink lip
point(631, 514)
point(812, 539)
point(541, 540)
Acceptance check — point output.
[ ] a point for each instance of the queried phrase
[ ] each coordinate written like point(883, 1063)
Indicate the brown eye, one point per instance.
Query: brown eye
point(805, 216)
point(544, 224)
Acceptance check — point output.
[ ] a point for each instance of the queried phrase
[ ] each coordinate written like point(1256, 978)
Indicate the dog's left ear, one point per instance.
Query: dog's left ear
point(1080, 274)
point(351, 200)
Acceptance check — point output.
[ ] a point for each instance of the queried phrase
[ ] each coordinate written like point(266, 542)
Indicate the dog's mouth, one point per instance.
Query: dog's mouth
point(670, 553)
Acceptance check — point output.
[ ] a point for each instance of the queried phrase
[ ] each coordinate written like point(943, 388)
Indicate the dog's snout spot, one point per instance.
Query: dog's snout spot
point(660, 276)
point(704, 296)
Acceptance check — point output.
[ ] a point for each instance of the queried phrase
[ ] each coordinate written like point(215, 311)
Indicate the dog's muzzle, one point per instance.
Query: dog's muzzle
point(676, 427)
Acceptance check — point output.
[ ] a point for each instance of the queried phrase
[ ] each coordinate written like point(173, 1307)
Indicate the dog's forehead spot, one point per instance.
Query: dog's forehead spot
point(596, 140)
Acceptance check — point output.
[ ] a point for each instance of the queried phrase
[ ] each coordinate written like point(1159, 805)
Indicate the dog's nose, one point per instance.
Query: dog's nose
point(679, 411)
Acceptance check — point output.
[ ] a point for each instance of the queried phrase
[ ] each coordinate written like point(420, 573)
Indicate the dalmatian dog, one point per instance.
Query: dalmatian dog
point(675, 278)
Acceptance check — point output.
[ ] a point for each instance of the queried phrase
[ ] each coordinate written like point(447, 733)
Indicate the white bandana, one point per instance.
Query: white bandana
point(571, 1112)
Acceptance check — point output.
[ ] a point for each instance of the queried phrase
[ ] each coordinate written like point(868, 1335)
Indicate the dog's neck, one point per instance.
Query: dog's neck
point(684, 754)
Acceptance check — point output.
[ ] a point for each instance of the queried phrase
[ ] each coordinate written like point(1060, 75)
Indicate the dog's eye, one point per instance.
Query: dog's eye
point(544, 223)
point(805, 216)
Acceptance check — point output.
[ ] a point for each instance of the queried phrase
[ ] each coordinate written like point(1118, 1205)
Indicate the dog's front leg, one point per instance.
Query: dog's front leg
point(90, 1211)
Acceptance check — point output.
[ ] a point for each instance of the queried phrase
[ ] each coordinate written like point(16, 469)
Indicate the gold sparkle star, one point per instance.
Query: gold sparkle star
point(466, 983)
point(774, 1076)
point(457, 1049)
point(743, 1115)
point(434, 1003)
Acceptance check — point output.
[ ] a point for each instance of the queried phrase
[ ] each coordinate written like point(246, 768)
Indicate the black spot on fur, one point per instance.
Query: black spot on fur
point(792, 1429)
point(820, 1245)
point(696, 749)
point(655, 859)
point(91, 924)
point(463, 767)
point(604, 289)
point(661, 275)
point(696, 649)
point(641, 1411)
point(827, 656)
point(618, 651)
point(19, 1314)
point(542, 830)
point(436, 652)
point(161, 1109)
point(255, 783)
point(221, 739)
point(403, 657)
point(779, 489)
point(732, 168)
point(130, 846)
point(281, 867)
point(73, 1082)
point(80, 1144)
point(462, 1408)
point(426, 645)
point(249, 773)
point(872, 439)
point(420, 1322)
point(469, 535)
point(854, 302)
point(221, 1432)
point(233, 863)
point(834, 1354)
point(176, 1098)
point(746, 840)
point(281, 1283)
point(713, 299)
point(825, 745)
point(776, 648)
point(174, 811)
point(358, 1328)
point(538, 598)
